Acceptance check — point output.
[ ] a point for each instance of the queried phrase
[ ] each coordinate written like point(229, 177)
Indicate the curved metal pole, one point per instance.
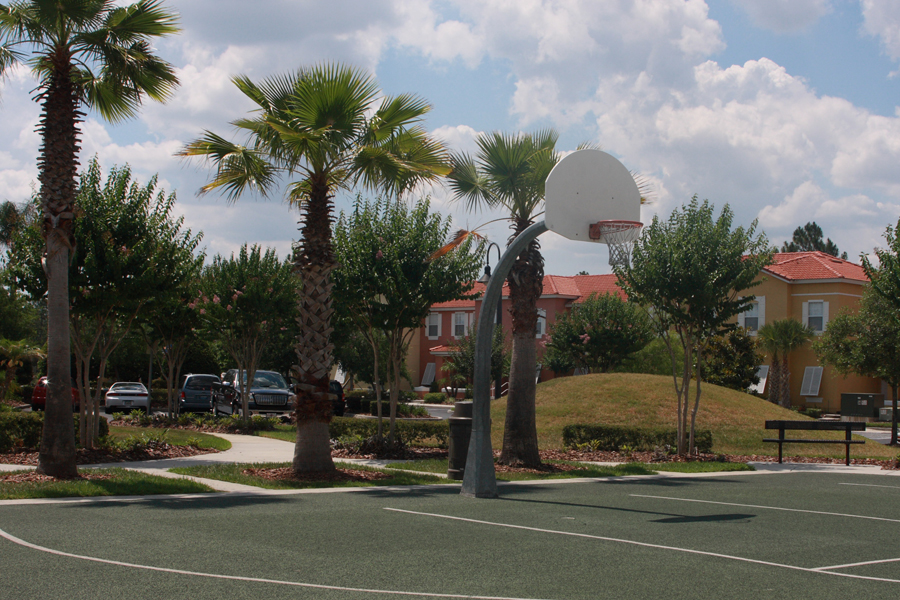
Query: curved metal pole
point(479, 478)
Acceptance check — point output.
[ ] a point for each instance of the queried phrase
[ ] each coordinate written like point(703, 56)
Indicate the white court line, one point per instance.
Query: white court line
point(891, 487)
point(859, 564)
point(800, 510)
point(117, 563)
point(645, 545)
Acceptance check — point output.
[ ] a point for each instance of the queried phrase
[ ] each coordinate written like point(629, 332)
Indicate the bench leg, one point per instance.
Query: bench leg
point(848, 447)
point(780, 443)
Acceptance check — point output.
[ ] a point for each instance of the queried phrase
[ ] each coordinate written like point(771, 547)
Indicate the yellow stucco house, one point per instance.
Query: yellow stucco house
point(810, 287)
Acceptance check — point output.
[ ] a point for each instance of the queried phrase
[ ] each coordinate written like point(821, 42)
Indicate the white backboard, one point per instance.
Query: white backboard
point(589, 186)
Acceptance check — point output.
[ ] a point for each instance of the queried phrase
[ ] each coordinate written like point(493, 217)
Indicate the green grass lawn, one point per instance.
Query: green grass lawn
point(737, 420)
point(437, 465)
point(122, 483)
point(234, 473)
point(176, 437)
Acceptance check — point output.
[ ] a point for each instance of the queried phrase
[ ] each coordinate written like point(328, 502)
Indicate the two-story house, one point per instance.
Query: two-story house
point(811, 287)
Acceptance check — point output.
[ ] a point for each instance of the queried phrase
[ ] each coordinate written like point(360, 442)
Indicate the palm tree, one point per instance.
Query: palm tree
point(780, 338)
point(509, 172)
point(85, 53)
point(12, 356)
point(321, 128)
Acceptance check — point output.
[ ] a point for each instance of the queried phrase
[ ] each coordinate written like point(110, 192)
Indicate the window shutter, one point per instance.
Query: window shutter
point(741, 319)
point(824, 316)
point(812, 380)
point(763, 373)
point(761, 302)
point(805, 313)
point(428, 377)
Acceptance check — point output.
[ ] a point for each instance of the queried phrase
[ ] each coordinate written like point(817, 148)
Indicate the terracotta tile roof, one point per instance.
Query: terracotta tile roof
point(443, 349)
point(578, 288)
point(801, 266)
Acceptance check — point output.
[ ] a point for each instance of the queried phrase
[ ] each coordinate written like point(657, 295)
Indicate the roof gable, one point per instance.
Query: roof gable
point(812, 266)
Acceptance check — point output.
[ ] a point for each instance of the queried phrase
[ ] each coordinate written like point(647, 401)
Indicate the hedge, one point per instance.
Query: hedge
point(23, 430)
point(436, 398)
point(411, 432)
point(612, 438)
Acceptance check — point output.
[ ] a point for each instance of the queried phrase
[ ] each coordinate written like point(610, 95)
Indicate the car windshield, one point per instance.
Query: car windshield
point(200, 382)
point(268, 379)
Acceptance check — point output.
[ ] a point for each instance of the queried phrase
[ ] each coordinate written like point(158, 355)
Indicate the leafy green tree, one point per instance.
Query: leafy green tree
point(599, 333)
point(85, 53)
point(321, 128)
point(461, 362)
point(866, 343)
point(18, 316)
point(732, 360)
point(655, 358)
point(130, 252)
point(809, 238)
point(691, 272)
point(14, 354)
point(780, 338)
point(509, 172)
point(243, 301)
point(389, 276)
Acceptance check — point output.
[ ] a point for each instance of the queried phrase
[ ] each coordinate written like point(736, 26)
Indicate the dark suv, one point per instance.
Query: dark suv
point(269, 394)
point(196, 393)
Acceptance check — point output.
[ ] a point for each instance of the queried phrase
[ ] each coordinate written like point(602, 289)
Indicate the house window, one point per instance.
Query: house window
point(751, 317)
point(433, 324)
point(754, 317)
point(460, 324)
point(541, 325)
point(816, 316)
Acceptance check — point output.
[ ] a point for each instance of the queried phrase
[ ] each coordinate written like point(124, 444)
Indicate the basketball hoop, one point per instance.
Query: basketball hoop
point(619, 236)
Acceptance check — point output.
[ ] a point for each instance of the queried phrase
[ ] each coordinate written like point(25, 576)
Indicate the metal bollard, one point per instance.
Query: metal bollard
point(460, 432)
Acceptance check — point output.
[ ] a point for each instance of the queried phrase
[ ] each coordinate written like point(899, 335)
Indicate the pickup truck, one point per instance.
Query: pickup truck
point(269, 394)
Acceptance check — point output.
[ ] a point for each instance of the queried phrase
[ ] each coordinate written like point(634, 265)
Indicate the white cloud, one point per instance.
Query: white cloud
point(784, 16)
point(881, 18)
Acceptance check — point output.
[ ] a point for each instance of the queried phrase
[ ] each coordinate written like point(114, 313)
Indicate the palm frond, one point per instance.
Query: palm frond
point(139, 21)
point(457, 240)
point(468, 184)
point(237, 168)
point(399, 112)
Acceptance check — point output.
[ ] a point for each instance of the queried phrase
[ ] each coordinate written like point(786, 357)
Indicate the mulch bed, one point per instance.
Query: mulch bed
point(96, 456)
point(339, 475)
point(33, 477)
point(652, 457)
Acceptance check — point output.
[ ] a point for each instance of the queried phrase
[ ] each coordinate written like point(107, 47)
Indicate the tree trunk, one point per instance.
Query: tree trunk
point(520, 445)
point(785, 383)
point(313, 262)
point(58, 169)
point(893, 415)
point(775, 381)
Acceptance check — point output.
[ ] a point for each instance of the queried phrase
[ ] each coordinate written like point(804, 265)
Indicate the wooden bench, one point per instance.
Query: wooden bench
point(845, 426)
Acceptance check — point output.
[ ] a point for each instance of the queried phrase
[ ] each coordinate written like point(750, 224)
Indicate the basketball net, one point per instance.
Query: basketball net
point(619, 236)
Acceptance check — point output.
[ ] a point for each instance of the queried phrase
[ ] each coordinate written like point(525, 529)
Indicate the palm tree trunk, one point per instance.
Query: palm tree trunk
point(785, 383)
point(58, 168)
point(314, 261)
point(520, 446)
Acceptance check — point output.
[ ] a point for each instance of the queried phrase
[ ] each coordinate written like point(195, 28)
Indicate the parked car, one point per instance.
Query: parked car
point(39, 396)
point(269, 394)
point(337, 404)
point(125, 396)
point(196, 393)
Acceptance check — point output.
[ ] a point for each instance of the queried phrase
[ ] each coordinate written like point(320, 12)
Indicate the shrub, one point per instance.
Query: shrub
point(815, 413)
point(403, 410)
point(436, 398)
point(612, 438)
point(23, 430)
point(412, 432)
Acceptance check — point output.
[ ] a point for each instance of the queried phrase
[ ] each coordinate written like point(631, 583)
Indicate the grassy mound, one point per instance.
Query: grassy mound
point(737, 420)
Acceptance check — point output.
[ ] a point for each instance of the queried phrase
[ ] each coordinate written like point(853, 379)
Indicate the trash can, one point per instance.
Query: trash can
point(460, 433)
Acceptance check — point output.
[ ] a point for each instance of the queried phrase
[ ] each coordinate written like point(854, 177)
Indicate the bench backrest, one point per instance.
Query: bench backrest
point(817, 425)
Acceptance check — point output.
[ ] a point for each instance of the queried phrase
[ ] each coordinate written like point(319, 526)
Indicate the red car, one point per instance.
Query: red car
point(39, 396)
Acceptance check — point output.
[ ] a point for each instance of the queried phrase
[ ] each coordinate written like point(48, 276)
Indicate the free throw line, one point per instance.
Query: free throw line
point(117, 563)
point(643, 544)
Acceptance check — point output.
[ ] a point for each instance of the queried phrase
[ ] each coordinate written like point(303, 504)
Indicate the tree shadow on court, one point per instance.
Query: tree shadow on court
point(193, 502)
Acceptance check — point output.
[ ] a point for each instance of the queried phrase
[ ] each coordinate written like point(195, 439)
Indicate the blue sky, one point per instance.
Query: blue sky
point(784, 109)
